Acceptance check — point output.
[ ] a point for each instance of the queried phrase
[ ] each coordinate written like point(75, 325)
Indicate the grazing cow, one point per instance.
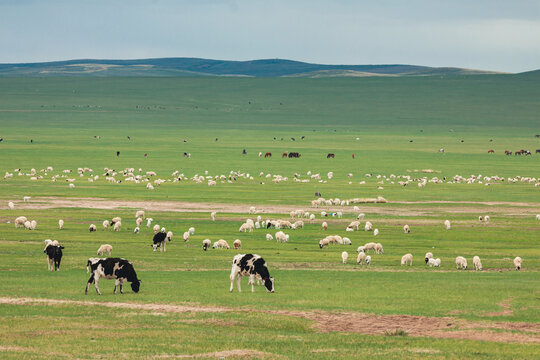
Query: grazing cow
point(330, 156)
point(251, 265)
point(112, 268)
point(294, 155)
point(160, 240)
point(268, 154)
point(507, 152)
point(491, 151)
point(284, 155)
point(538, 151)
point(54, 256)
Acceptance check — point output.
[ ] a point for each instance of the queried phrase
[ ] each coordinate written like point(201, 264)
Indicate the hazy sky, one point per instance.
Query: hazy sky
point(481, 34)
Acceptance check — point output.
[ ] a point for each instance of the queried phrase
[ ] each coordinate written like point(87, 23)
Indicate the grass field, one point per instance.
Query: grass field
point(322, 309)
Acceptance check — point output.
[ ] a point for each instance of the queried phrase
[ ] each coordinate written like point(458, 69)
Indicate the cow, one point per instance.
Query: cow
point(294, 155)
point(284, 155)
point(268, 154)
point(160, 240)
point(491, 151)
point(244, 152)
point(112, 268)
point(330, 156)
point(538, 151)
point(507, 152)
point(251, 265)
point(117, 153)
point(54, 256)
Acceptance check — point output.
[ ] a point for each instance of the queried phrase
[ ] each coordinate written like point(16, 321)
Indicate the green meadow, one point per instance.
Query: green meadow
point(322, 308)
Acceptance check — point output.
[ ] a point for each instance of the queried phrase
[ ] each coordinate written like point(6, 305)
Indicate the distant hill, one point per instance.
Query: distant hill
point(205, 67)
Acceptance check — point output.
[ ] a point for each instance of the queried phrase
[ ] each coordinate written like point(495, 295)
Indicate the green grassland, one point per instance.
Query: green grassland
point(62, 116)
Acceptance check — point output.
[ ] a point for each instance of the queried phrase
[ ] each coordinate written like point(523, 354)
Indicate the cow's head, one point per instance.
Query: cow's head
point(136, 285)
point(269, 284)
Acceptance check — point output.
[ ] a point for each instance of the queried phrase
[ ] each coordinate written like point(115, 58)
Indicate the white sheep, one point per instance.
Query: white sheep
point(139, 214)
point(477, 263)
point(281, 237)
point(117, 226)
point(33, 225)
point(92, 228)
point(517, 263)
point(375, 232)
point(20, 221)
point(537, 216)
point(360, 249)
point(72, 186)
point(368, 260)
point(406, 229)
point(434, 262)
point(11, 205)
point(361, 216)
point(344, 256)
point(486, 218)
point(324, 225)
point(213, 215)
point(428, 257)
point(370, 246)
point(368, 226)
point(26, 198)
point(237, 244)
point(136, 230)
point(406, 259)
point(206, 244)
point(312, 217)
point(186, 236)
point(480, 218)
point(447, 224)
point(252, 210)
point(169, 235)
point(106, 224)
point(191, 230)
point(361, 257)
point(347, 241)
point(269, 237)
point(221, 244)
point(149, 222)
point(60, 224)
point(324, 242)
point(116, 219)
point(27, 225)
point(245, 227)
point(379, 248)
point(104, 249)
point(139, 221)
point(156, 228)
point(461, 263)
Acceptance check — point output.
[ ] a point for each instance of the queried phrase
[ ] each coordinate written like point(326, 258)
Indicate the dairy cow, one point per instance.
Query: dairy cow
point(112, 268)
point(251, 265)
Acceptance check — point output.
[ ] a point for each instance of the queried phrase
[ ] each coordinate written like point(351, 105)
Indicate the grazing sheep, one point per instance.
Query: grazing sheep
point(33, 225)
point(312, 217)
point(136, 230)
point(72, 186)
point(139, 221)
point(324, 242)
point(477, 263)
point(370, 246)
point(361, 257)
point(486, 218)
point(447, 224)
point(105, 224)
point(347, 241)
point(206, 244)
point(323, 214)
point(517, 263)
point(368, 260)
point(269, 237)
point(344, 256)
point(156, 228)
point(221, 244)
point(27, 225)
point(360, 249)
point(428, 256)
point(379, 248)
point(245, 227)
point(537, 216)
point(115, 220)
point(92, 228)
point(461, 263)
point(139, 214)
point(375, 232)
point(237, 244)
point(11, 205)
point(434, 262)
point(406, 259)
point(117, 226)
point(213, 215)
point(324, 225)
point(26, 198)
point(281, 237)
point(191, 230)
point(480, 218)
point(186, 236)
point(406, 229)
point(169, 235)
point(339, 214)
point(361, 216)
point(368, 226)
point(104, 249)
point(60, 224)
point(20, 221)
point(252, 210)
point(149, 222)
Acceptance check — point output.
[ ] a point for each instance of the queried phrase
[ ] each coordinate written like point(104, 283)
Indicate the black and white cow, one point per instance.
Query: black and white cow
point(159, 240)
point(251, 265)
point(112, 268)
point(54, 256)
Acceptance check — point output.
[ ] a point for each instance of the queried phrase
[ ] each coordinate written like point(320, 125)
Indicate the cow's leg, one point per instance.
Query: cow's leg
point(163, 246)
point(116, 283)
point(96, 279)
point(238, 279)
point(48, 264)
point(90, 281)
point(252, 281)
point(51, 264)
point(233, 275)
point(121, 282)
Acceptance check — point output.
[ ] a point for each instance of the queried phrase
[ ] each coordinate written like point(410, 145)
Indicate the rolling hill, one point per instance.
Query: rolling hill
point(204, 67)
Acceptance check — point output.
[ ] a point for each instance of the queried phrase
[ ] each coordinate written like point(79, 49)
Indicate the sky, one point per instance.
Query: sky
point(478, 34)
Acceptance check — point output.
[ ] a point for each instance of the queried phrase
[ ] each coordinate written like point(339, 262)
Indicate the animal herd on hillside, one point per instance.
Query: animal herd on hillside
point(250, 265)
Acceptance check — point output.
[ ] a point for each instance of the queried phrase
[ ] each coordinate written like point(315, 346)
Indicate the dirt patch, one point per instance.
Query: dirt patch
point(369, 324)
point(506, 311)
point(236, 354)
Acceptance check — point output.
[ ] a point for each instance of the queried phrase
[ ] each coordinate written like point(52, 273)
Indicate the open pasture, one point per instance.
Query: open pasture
point(322, 308)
